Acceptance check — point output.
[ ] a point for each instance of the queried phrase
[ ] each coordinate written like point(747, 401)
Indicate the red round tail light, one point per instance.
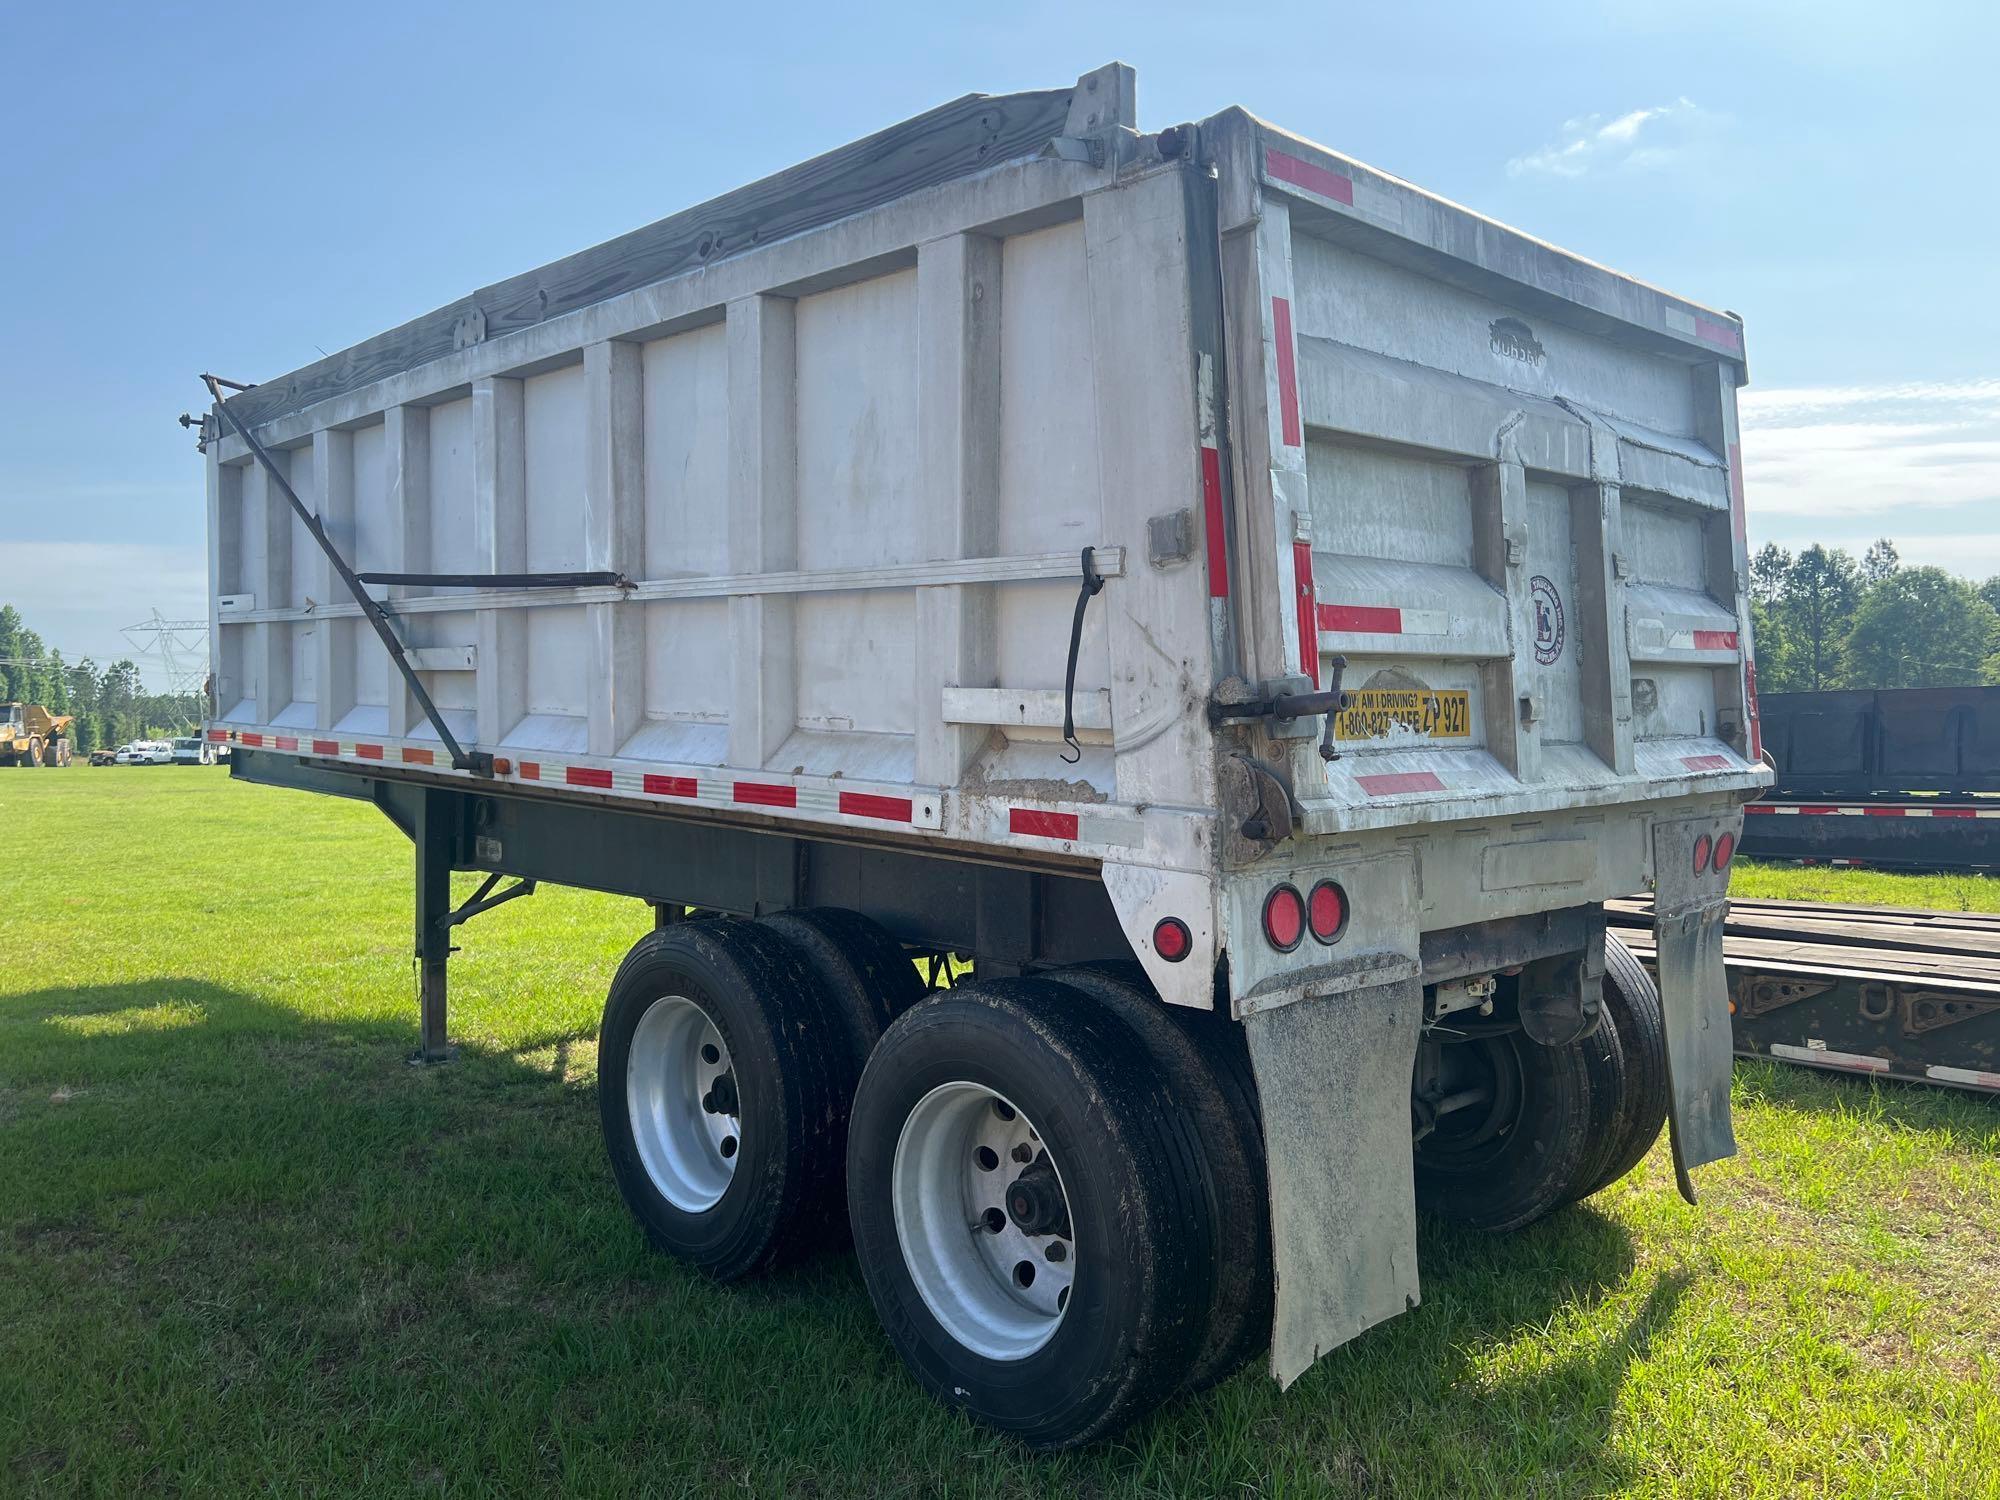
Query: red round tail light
point(1725, 850)
point(1284, 918)
point(1702, 846)
point(1326, 911)
point(1172, 940)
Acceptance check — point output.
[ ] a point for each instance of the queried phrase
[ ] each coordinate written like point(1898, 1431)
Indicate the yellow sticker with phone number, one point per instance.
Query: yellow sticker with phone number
point(1377, 713)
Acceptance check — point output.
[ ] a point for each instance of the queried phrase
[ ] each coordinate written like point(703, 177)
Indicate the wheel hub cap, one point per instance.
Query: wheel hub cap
point(983, 1221)
point(680, 1094)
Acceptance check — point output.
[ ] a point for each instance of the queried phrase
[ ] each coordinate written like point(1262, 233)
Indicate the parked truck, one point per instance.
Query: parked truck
point(1254, 610)
point(32, 736)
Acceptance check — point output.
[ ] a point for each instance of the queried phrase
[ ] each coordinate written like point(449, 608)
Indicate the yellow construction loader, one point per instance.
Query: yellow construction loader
point(32, 736)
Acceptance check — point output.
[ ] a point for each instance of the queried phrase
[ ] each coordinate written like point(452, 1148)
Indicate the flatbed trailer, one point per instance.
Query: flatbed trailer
point(1881, 991)
point(1253, 609)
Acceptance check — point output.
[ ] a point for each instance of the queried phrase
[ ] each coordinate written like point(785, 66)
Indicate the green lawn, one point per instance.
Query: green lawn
point(243, 1245)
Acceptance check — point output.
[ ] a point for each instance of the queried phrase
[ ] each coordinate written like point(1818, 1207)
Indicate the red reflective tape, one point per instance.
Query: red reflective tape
point(1809, 811)
point(767, 794)
point(669, 786)
point(1705, 762)
point(1715, 640)
point(1041, 825)
point(1288, 373)
point(1399, 781)
point(413, 756)
point(285, 742)
point(218, 736)
point(1722, 335)
point(326, 747)
point(1311, 177)
point(368, 752)
point(869, 805)
point(531, 770)
point(1954, 812)
point(1758, 807)
point(588, 776)
point(1211, 509)
point(1302, 581)
point(1371, 619)
point(1884, 812)
point(251, 737)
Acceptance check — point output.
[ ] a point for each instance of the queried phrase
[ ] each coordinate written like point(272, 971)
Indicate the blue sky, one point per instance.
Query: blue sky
point(238, 188)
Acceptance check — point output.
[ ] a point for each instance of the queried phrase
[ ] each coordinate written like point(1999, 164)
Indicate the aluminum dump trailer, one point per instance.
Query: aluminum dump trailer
point(1253, 609)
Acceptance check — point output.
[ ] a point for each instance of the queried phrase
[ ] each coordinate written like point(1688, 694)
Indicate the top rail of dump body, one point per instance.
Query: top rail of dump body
point(974, 134)
point(987, 167)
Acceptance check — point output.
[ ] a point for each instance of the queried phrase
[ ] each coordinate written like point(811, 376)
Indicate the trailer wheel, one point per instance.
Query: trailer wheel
point(865, 972)
point(1609, 1100)
point(1503, 1124)
point(1632, 1006)
point(1206, 1064)
point(1028, 1211)
point(721, 1098)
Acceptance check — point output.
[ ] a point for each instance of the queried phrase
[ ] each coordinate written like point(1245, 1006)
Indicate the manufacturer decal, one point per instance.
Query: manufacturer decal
point(1548, 620)
point(1510, 338)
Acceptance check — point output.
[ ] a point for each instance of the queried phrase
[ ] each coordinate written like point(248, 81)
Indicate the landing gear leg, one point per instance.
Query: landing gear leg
point(433, 839)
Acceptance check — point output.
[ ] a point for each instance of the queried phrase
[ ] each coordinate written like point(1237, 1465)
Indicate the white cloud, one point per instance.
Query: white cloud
point(79, 596)
point(1638, 140)
point(1918, 462)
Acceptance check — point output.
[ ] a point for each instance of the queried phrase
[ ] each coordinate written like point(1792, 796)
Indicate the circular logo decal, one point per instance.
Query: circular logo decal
point(1548, 620)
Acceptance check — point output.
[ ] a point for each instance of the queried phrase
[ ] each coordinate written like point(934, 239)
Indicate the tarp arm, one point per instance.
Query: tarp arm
point(479, 762)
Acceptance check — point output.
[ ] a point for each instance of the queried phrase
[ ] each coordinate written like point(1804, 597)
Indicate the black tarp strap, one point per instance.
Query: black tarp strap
point(1093, 583)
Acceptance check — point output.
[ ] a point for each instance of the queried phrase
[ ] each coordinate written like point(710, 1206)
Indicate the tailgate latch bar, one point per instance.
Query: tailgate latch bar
point(1283, 707)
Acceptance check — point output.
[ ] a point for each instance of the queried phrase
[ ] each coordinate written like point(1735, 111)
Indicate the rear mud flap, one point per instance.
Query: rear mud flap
point(1689, 909)
point(1333, 1073)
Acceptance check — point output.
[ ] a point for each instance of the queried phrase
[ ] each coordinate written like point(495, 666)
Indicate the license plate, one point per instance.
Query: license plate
point(1377, 713)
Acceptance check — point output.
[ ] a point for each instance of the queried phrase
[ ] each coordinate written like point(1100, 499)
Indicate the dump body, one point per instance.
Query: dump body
point(844, 479)
point(1017, 491)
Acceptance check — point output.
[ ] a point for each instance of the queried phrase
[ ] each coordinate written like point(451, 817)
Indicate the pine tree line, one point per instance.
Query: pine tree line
point(1823, 620)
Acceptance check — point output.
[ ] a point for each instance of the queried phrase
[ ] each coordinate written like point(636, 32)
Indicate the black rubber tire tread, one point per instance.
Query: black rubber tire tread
point(1131, 1166)
point(864, 971)
point(1604, 1130)
point(1539, 1163)
point(1632, 1000)
point(1191, 1051)
point(785, 1199)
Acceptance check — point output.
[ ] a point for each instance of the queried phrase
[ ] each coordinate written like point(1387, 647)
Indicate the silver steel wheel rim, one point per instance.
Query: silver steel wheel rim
point(688, 1139)
point(999, 1290)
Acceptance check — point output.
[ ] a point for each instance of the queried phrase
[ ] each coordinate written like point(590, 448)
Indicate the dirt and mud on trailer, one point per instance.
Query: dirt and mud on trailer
point(1255, 610)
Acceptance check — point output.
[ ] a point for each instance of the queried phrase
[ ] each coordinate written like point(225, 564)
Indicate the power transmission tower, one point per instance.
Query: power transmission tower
point(177, 648)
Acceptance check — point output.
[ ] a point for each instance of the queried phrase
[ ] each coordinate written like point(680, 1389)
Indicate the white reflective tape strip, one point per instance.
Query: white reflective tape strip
point(1680, 322)
point(1969, 1076)
point(1817, 1054)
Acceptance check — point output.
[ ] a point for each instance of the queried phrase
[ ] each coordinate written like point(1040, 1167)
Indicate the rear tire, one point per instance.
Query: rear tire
point(1507, 1162)
point(864, 971)
point(1068, 1078)
point(1195, 1052)
point(734, 1176)
point(1604, 1127)
point(1632, 1005)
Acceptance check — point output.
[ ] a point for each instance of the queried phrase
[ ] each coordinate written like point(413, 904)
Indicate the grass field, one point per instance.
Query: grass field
point(243, 1245)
